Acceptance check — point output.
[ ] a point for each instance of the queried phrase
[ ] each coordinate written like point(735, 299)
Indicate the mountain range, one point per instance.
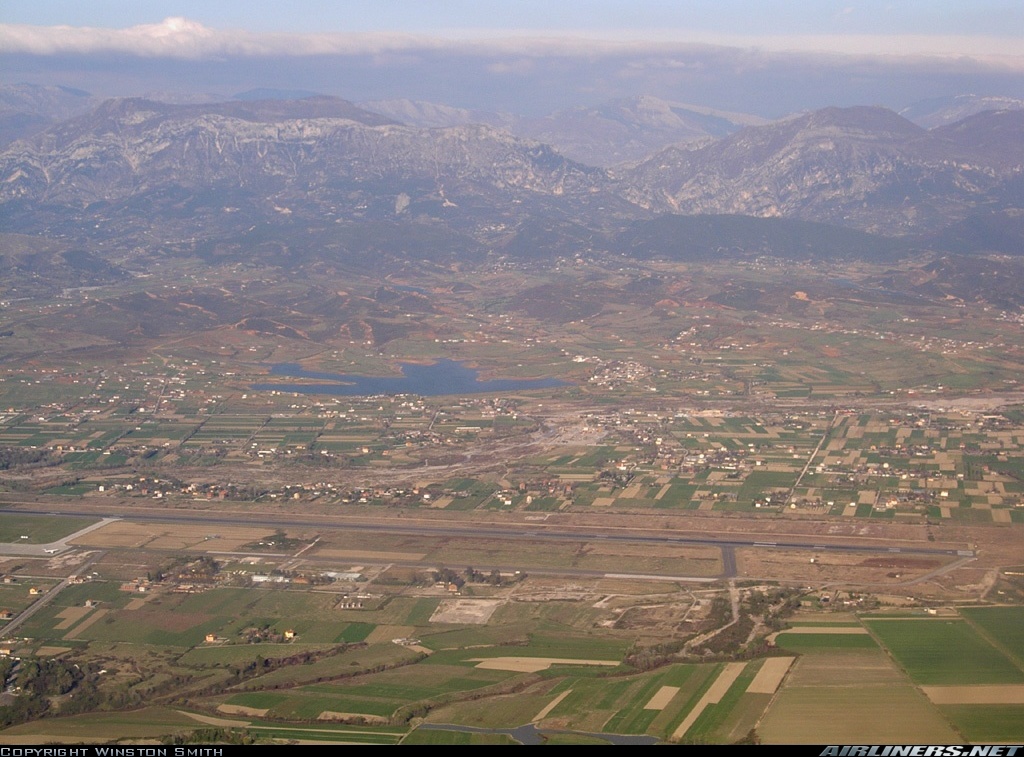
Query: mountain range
point(255, 175)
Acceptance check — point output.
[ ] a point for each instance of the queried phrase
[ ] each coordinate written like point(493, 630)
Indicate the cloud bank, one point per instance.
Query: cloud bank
point(181, 38)
point(528, 73)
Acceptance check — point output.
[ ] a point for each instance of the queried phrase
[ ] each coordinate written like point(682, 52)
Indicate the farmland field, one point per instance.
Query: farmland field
point(1003, 624)
point(877, 715)
point(990, 723)
point(801, 642)
point(941, 651)
point(97, 727)
point(851, 696)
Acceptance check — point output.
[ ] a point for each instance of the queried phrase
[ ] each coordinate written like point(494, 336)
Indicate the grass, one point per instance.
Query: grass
point(937, 652)
point(1004, 624)
point(346, 664)
point(107, 592)
point(233, 654)
point(223, 601)
point(300, 705)
point(633, 718)
point(483, 713)
point(988, 723)
point(356, 632)
point(573, 738)
point(540, 645)
point(421, 611)
point(150, 722)
point(160, 625)
point(261, 700)
point(678, 495)
point(444, 738)
point(40, 529)
point(329, 734)
point(590, 701)
point(71, 490)
point(313, 631)
point(460, 638)
point(691, 692)
point(713, 721)
point(380, 694)
point(42, 624)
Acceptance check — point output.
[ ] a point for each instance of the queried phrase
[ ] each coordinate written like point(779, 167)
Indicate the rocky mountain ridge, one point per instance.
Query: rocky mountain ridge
point(866, 168)
point(328, 160)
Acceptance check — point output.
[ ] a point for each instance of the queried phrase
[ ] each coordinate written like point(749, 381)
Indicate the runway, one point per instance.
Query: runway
point(519, 531)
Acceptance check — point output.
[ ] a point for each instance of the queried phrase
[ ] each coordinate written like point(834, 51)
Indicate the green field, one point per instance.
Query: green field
point(939, 651)
point(1005, 625)
point(633, 717)
point(988, 723)
point(568, 646)
point(40, 529)
point(151, 722)
point(729, 719)
point(381, 696)
point(350, 663)
point(595, 702)
point(234, 654)
point(444, 738)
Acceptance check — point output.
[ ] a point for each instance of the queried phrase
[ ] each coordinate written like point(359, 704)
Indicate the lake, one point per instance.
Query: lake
point(442, 377)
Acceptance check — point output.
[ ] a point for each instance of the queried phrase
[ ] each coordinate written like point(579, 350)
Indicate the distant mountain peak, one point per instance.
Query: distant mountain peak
point(275, 94)
point(942, 111)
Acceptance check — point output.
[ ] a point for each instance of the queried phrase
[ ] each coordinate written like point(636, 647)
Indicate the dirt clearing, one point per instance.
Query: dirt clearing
point(237, 709)
point(533, 664)
point(474, 611)
point(369, 719)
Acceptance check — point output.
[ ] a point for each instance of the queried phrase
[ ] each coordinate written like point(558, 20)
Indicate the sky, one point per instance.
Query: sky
point(769, 57)
point(700, 18)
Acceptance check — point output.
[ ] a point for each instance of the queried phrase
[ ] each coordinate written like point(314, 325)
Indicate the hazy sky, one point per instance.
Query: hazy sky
point(996, 18)
point(769, 56)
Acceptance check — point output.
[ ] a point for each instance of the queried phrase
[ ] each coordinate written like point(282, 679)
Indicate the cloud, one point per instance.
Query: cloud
point(174, 37)
point(519, 66)
point(528, 72)
point(181, 38)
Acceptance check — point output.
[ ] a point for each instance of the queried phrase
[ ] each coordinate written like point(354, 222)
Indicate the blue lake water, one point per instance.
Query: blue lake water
point(442, 377)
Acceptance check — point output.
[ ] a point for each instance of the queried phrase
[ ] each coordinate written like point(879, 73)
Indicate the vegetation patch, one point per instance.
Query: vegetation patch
point(944, 652)
point(1003, 624)
point(40, 529)
point(989, 723)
